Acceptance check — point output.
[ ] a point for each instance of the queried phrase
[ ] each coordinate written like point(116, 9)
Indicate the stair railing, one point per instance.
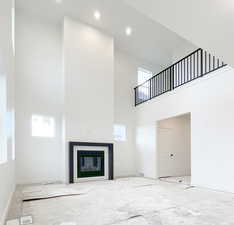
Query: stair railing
point(195, 65)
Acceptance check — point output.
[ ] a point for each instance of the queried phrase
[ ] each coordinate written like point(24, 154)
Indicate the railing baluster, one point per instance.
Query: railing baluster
point(161, 85)
point(135, 96)
point(197, 64)
point(171, 74)
point(201, 62)
point(183, 80)
point(178, 74)
point(156, 86)
point(187, 78)
point(153, 87)
point(194, 70)
point(181, 72)
point(150, 89)
point(213, 62)
point(167, 80)
point(205, 62)
point(209, 62)
point(190, 68)
point(163, 82)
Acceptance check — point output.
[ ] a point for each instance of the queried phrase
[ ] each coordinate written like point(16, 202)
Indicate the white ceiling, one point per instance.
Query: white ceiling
point(149, 40)
point(207, 23)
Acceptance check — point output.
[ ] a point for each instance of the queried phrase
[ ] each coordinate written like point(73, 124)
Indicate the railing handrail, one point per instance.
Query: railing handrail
point(194, 65)
point(168, 67)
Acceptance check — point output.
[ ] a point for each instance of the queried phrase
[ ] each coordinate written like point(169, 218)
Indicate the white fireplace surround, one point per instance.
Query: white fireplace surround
point(91, 148)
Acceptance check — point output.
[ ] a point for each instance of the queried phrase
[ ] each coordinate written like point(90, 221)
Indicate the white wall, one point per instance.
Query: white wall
point(210, 101)
point(39, 90)
point(84, 94)
point(182, 51)
point(89, 83)
point(7, 176)
point(174, 146)
point(206, 23)
point(74, 75)
point(124, 110)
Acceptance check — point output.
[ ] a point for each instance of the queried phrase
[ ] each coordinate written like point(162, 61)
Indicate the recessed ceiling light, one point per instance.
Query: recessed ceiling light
point(128, 31)
point(58, 1)
point(97, 15)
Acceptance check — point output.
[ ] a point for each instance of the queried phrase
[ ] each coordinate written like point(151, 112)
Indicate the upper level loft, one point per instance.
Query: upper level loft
point(195, 65)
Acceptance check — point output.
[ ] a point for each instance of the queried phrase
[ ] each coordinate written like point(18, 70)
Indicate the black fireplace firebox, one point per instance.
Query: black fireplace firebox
point(90, 163)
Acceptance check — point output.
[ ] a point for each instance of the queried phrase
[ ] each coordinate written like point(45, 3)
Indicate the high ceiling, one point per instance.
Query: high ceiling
point(149, 40)
point(206, 23)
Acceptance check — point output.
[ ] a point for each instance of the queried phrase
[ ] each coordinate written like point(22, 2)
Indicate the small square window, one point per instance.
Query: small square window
point(119, 132)
point(43, 126)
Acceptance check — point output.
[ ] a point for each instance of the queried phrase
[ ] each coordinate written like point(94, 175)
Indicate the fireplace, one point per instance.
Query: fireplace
point(90, 161)
point(90, 164)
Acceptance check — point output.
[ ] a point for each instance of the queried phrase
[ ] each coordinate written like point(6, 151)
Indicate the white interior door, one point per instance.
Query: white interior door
point(165, 152)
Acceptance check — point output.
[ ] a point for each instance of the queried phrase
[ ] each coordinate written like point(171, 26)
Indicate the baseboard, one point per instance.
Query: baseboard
point(125, 176)
point(5, 212)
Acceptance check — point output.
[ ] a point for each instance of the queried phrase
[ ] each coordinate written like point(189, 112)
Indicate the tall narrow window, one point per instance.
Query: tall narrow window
point(3, 115)
point(13, 28)
point(142, 76)
point(43, 126)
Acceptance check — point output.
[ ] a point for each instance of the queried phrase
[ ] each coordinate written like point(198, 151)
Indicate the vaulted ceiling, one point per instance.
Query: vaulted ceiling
point(149, 40)
point(206, 23)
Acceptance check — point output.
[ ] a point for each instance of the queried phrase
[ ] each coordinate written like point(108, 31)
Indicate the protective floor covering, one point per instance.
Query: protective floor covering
point(182, 179)
point(49, 191)
point(128, 201)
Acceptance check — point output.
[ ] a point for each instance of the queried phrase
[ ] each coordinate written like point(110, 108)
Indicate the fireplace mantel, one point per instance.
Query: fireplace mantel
point(109, 146)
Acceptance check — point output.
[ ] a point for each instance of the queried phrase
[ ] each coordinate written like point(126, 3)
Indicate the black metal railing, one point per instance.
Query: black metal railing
point(195, 65)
